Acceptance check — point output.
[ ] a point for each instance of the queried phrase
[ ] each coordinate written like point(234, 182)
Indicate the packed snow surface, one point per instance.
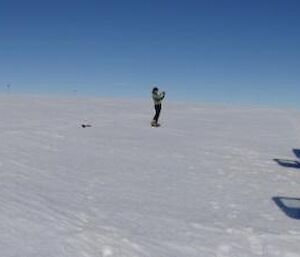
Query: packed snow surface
point(212, 181)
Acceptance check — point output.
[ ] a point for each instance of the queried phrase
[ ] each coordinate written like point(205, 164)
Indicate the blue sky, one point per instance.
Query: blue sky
point(221, 51)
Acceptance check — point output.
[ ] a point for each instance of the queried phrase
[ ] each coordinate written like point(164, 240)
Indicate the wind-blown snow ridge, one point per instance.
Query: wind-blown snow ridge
point(212, 181)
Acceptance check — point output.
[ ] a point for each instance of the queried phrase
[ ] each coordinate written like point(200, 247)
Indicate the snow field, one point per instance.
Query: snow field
point(203, 184)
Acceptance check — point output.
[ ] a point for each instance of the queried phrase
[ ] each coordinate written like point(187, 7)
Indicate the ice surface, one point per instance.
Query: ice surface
point(210, 182)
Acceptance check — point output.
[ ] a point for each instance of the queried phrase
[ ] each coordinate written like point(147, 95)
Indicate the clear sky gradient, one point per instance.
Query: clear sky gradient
point(221, 51)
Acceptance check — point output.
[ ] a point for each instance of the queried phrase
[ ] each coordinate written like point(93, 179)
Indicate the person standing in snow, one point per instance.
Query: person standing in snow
point(157, 98)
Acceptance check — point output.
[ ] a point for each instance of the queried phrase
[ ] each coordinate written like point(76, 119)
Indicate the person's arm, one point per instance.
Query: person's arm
point(162, 95)
point(156, 96)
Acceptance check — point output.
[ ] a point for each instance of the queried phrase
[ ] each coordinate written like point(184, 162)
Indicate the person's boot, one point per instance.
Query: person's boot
point(154, 123)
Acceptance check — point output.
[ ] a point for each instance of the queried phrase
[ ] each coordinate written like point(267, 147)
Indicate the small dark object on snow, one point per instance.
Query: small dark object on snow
point(86, 125)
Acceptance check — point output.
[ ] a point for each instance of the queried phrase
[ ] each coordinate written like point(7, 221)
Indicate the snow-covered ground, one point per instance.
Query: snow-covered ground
point(213, 181)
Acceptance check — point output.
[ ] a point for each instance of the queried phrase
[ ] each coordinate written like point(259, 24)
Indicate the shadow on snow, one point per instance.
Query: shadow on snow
point(290, 163)
point(290, 206)
point(297, 153)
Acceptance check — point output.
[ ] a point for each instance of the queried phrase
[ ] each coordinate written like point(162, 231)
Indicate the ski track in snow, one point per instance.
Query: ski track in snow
point(203, 184)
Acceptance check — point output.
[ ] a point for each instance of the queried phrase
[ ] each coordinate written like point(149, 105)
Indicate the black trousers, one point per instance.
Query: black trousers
point(157, 112)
